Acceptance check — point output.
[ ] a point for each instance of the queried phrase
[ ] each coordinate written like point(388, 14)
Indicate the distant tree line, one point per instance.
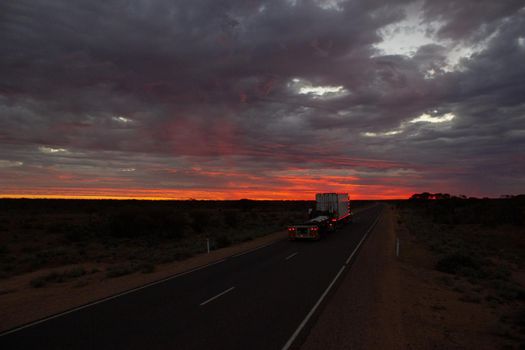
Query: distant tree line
point(446, 209)
point(437, 196)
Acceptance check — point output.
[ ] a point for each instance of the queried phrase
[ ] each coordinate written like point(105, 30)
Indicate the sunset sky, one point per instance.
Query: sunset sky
point(229, 99)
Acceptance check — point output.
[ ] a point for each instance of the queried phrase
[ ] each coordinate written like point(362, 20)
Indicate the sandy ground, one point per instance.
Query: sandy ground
point(389, 302)
point(20, 303)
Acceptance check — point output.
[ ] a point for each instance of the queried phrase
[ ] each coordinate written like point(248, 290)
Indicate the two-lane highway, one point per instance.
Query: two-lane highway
point(263, 299)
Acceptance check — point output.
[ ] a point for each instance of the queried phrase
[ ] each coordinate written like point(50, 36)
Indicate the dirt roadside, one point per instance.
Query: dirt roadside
point(389, 302)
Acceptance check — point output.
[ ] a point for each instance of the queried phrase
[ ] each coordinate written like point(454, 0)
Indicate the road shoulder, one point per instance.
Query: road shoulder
point(365, 310)
point(390, 302)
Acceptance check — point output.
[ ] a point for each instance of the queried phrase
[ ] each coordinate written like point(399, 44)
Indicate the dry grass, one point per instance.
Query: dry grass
point(129, 236)
point(479, 246)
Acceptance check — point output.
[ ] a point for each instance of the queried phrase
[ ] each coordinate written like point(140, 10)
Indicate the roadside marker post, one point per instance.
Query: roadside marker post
point(397, 247)
point(208, 245)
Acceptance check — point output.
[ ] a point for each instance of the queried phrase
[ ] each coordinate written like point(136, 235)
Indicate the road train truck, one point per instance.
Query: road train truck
point(331, 211)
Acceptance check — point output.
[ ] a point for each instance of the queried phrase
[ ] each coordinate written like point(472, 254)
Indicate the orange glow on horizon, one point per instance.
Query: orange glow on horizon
point(159, 194)
point(231, 185)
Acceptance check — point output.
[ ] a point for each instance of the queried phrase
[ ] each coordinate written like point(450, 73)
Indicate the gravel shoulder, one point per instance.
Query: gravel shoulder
point(389, 302)
point(365, 311)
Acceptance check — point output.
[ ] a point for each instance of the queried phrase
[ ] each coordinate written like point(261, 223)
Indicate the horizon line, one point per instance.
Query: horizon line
point(94, 197)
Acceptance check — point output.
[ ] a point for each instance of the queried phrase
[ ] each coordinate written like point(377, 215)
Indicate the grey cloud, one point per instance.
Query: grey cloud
point(206, 82)
point(470, 19)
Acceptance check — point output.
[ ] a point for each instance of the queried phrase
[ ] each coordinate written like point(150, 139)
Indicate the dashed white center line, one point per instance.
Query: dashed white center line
point(291, 256)
point(217, 296)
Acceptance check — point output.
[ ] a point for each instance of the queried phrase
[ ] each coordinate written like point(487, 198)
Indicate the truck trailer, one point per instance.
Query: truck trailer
point(331, 211)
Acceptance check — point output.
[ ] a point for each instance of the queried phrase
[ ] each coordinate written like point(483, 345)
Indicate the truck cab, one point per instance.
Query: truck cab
point(331, 211)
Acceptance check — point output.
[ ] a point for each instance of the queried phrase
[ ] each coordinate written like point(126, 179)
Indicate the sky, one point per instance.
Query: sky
point(229, 99)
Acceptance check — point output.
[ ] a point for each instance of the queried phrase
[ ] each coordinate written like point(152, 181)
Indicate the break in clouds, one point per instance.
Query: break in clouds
point(262, 99)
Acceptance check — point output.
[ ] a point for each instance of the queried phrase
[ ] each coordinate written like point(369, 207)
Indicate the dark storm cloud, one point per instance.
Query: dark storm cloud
point(200, 94)
point(470, 19)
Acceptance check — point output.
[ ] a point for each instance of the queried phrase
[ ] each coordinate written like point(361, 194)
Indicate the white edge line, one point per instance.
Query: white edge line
point(303, 323)
point(63, 313)
point(254, 249)
point(362, 239)
point(300, 328)
point(291, 256)
point(215, 297)
point(60, 314)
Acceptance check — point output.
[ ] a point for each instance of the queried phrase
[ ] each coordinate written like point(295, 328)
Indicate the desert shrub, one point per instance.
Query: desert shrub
point(231, 219)
point(58, 277)
point(78, 232)
point(508, 290)
point(470, 298)
point(201, 220)
point(247, 204)
point(501, 273)
point(460, 210)
point(519, 317)
point(120, 270)
point(176, 255)
point(38, 282)
point(75, 272)
point(222, 241)
point(135, 222)
point(147, 268)
point(457, 262)
point(33, 261)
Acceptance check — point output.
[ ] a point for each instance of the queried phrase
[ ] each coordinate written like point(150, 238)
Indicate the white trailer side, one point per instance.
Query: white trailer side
point(335, 203)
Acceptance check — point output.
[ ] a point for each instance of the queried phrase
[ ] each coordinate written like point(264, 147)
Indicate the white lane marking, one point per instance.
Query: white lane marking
point(217, 296)
point(291, 256)
point(301, 326)
point(312, 311)
point(108, 298)
point(34, 323)
point(362, 239)
point(254, 249)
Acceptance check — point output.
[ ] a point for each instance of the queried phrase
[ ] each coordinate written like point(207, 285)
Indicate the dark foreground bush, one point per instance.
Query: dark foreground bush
point(128, 268)
point(135, 222)
point(58, 277)
point(223, 241)
point(457, 262)
point(120, 270)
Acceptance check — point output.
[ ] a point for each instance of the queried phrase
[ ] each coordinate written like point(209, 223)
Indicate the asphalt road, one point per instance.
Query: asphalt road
point(264, 299)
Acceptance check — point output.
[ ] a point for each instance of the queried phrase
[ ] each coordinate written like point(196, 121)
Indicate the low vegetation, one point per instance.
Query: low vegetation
point(480, 246)
point(58, 277)
point(128, 236)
